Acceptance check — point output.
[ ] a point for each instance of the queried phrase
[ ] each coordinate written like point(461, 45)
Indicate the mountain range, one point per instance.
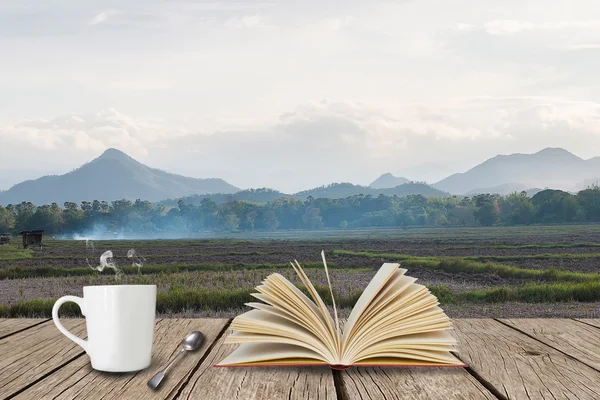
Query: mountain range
point(114, 175)
point(554, 168)
point(333, 191)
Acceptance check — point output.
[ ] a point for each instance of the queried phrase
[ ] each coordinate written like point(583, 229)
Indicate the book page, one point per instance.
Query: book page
point(380, 307)
point(322, 308)
point(265, 323)
point(243, 337)
point(429, 320)
point(413, 299)
point(399, 311)
point(281, 293)
point(381, 277)
point(271, 353)
point(425, 346)
point(335, 313)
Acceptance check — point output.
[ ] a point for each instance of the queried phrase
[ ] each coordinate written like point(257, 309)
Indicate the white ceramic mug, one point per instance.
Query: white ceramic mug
point(120, 325)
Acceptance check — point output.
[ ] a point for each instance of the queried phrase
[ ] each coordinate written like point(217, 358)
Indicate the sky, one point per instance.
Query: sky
point(295, 94)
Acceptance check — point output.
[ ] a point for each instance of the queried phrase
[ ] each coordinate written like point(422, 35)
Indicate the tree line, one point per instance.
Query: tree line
point(143, 217)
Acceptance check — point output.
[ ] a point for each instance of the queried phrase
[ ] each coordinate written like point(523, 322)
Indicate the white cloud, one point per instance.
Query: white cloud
point(338, 23)
point(87, 133)
point(143, 85)
point(581, 46)
point(462, 27)
point(248, 22)
point(511, 27)
point(233, 67)
point(320, 142)
point(102, 17)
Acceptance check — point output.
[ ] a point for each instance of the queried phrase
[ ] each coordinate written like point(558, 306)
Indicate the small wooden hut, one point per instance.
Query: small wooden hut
point(32, 238)
point(4, 238)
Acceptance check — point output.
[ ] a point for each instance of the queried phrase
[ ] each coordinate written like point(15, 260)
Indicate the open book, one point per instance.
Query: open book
point(395, 322)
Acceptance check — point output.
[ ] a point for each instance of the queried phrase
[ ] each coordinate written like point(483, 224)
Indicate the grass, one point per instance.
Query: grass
point(527, 246)
point(44, 272)
point(544, 256)
point(469, 266)
point(13, 252)
point(450, 233)
point(175, 300)
point(529, 293)
point(181, 300)
point(155, 256)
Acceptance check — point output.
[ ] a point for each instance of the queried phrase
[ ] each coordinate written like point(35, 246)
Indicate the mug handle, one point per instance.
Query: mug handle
point(61, 328)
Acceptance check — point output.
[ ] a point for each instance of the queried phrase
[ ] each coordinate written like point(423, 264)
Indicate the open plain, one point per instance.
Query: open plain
point(533, 271)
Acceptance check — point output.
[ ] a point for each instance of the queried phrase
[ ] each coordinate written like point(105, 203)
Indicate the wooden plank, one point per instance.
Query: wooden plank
point(590, 321)
point(520, 367)
point(8, 326)
point(210, 383)
point(31, 354)
point(574, 338)
point(78, 380)
point(411, 383)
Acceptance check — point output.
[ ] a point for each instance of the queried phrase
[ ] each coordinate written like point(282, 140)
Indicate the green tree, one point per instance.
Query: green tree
point(312, 218)
point(73, 217)
point(7, 219)
point(517, 209)
point(555, 206)
point(589, 199)
point(232, 222)
point(251, 218)
point(46, 218)
point(23, 213)
point(487, 212)
point(270, 220)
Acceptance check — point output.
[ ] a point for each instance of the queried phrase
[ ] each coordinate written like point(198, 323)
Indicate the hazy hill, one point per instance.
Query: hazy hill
point(263, 195)
point(114, 175)
point(342, 190)
point(550, 167)
point(333, 191)
point(505, 189)
point(388, 181)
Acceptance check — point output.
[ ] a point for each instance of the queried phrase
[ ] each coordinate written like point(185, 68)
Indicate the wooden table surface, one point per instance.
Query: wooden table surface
point(508, 359)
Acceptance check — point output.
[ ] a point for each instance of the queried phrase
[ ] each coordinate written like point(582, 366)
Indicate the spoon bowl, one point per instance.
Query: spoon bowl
point(192, 341)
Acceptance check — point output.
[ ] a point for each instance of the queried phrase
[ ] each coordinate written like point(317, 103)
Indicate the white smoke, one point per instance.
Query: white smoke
point(106, 260)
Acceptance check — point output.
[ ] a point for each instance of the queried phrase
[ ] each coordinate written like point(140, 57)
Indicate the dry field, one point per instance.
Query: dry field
point(548, 271)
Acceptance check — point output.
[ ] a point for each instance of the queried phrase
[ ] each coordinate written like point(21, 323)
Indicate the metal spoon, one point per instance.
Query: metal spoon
point(190, 343)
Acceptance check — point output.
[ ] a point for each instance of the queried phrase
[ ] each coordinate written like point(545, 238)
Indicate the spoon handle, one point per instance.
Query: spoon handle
point(155, 381)
point(181, 351)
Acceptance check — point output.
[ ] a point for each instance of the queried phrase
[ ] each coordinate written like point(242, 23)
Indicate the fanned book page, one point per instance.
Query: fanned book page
point(395, 322)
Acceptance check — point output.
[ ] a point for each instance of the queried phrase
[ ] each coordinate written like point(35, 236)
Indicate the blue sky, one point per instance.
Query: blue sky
point(290, 94)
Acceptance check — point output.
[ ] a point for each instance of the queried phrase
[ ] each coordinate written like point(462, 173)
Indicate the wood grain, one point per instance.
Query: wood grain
point(12, 325)
point(520, 367)
point(574, 338)
point(411, 383)
point(267, 383)
point(590, 321)
point(31, 354)
point(78, 380)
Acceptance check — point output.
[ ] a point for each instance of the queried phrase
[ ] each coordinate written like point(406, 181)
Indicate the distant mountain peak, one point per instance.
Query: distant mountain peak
point(113, 153)
point(387, 181)
point(549, 167)
point(112, 176)
point(555, 152)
